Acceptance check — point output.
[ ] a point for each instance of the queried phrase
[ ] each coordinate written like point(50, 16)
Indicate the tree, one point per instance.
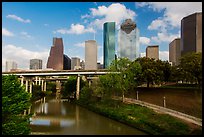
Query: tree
point(125, 77)
point(148, 70)
point(14, 101)
point(69, 87)
point(154, 71)
point(191, 64)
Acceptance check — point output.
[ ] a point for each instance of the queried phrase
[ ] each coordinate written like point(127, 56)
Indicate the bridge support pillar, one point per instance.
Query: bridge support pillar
point(58, 89)
point(78, 87)
point(89, 83)
point(39, 80)
point(45, 84)
point(22, 81)
point(42, 85)
point(26, 85)
point(36, 80)
point(31, 86)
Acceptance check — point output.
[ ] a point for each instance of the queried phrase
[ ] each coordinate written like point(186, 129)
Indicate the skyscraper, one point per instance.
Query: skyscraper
point(109, 43)
point(75, 63)
point(82, 64)
point(90, 55)
point(191, 33)
point(11, 65)
point(128, 40)
point(35, 64)
point(67, 63)
point(174, 51)
point(55, 60)
point(152, 52)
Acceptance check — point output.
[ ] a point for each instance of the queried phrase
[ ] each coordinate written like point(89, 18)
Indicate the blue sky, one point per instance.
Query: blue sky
point(28, 28)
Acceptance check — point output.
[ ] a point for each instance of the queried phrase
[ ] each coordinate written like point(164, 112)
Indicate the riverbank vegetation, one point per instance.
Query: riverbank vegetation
point(139, 117)
point(132, 74)
point(14, 101)
point(98, 97)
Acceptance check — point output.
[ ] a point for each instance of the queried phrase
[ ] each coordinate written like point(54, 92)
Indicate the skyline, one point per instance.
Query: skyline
point(31, 26)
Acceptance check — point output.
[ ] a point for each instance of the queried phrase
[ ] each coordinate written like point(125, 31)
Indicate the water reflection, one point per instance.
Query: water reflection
point(57, 117)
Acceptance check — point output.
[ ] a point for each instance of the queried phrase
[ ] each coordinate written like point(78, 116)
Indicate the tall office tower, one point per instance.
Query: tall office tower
point(109, 43)
point(11, 65)
point(55, 60)
point(35, 64)
point(174, 51)
point(75, 63)
point(90, 55)
point(67, 63)
point(128, 40)
point(191, 33)
point(152, 52)
point(82, 64)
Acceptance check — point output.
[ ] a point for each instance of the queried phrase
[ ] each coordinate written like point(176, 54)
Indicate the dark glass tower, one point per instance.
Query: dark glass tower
point(67, 63)
point(109, 43)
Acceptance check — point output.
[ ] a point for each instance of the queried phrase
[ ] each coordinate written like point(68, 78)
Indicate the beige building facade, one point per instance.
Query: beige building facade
point(191, 33)
point(152, 52)
point(175, 51)
point(90, 55)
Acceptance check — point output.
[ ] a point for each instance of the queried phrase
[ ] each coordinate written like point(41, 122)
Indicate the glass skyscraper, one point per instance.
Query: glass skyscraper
point(128, 40)
point(109, 43)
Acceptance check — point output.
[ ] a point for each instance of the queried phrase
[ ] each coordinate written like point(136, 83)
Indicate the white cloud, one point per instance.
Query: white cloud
point(100, 59)
point(75, 29)
point(163, 55)
point(80, 44)
point(144, 40)
point(164, 37)
point(116, 12)
point(25, 35)
point(6, 32)
point(158, 24)
point(22, 56)
point(46, 25)
point(85, 16)
point(14, 17)
point(174, 11)
point(142, 54)
point(173, 14)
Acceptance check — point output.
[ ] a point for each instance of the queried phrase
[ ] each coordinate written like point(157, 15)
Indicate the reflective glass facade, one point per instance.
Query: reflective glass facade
point(109, 43)
point(128, 40)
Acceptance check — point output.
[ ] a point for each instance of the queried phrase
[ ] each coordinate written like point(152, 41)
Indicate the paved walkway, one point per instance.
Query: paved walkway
point(160, 109)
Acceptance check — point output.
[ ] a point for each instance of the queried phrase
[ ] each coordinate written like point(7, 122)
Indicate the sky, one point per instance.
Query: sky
point(28, 28)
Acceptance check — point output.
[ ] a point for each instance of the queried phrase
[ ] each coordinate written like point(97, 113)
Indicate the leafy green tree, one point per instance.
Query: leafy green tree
point(148, 70)
point(191, 64)
point(124, 79)
point(51, 86)
point(154, 71)
point(134, 72)
point(14, 101)
point(37, 93)
point(69, 87)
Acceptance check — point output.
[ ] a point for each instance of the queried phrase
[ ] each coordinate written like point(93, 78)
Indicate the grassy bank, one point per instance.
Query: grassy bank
point(139, 117)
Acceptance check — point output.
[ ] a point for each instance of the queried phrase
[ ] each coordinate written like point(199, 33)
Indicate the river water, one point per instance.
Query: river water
point(63, 118)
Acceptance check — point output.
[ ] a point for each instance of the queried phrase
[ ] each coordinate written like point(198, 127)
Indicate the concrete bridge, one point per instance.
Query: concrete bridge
point(39, 77)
